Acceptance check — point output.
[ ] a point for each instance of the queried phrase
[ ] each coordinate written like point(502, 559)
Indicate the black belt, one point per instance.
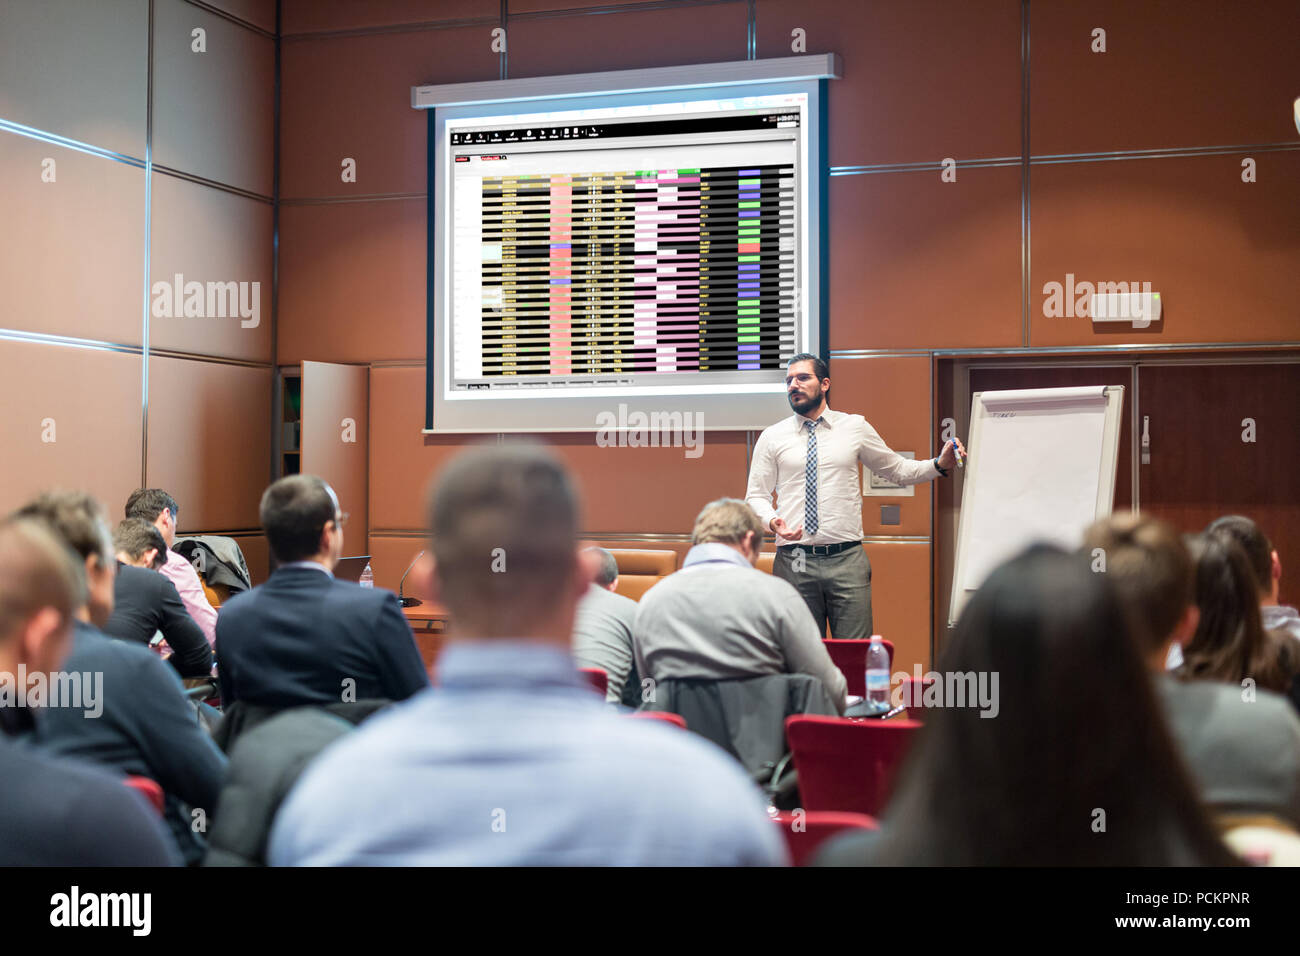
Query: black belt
point(824, 550)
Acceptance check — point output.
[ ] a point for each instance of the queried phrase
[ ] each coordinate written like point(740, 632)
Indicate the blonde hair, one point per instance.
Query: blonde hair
point(726, 520)
point(36, 571)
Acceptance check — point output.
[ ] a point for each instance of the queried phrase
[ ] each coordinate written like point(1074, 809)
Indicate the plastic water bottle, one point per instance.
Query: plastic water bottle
point(877, 675)
point(367, 579)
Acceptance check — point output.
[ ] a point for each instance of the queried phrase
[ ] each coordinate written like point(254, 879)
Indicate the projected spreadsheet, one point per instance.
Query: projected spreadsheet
point(576, 265)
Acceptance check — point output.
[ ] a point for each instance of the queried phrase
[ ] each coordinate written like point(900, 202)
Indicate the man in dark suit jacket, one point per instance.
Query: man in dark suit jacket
point(305, 637)
point(132, 715)
point(53, 811)
point(144, 601)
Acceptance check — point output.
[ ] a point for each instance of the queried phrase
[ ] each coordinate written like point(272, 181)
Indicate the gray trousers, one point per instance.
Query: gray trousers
point(836, 588)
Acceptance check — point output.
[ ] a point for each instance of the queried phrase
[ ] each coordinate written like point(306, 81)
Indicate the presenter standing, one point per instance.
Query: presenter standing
point(810, 460)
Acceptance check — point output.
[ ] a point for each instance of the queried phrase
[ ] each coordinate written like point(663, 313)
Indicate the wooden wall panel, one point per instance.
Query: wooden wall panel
point(77, 68)
point(390, 556)
point(921, 80)
point(629, 40)
point(72, 250)
point(1222, 253)
point(213, 112)
point(893, 394)
point(402, 460)
point(208, 441)
point(260, 13)
point(900, 599)
point(351, 98)
point(352, 282)
point(336, 438)
point(233, 244)
point(1201, 468)
point(1175, 73)
point(920, 263)
point(650, 490)
point(71, 420)
point(257, 555)
point(314, 16)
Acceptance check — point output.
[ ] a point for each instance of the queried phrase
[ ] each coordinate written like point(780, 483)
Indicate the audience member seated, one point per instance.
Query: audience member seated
point(160, 509)
point(304, 637)
point(1230, 643)
point(602, 630)
point(511, 759)
point(1266, 566)
point(145, 602)
point(720, 618)
point(55, 811)
point(1243, 750)
point(145, 726)
point(1077, 769)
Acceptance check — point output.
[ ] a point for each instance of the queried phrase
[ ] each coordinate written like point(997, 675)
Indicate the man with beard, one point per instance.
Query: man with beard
point(810, 460)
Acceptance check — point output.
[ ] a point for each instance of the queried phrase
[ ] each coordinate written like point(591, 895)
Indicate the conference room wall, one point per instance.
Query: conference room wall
point(1223, 254)
point(67, 266)
point(894, 392)
point(78, 342)
point(352, 282)
point(919, 268)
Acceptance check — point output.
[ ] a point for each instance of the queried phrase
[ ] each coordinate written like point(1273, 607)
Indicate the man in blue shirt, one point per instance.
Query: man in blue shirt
point(512, 759)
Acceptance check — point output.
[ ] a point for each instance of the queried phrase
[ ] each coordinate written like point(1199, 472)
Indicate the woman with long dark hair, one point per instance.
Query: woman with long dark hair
point(1230, 643)
point(1076, 769)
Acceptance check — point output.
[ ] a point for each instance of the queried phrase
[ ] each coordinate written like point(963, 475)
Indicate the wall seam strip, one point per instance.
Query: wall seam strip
point(231, 17)
point(148, 253)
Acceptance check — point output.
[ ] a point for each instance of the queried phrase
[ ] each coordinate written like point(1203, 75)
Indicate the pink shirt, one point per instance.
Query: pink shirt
point(182, 574)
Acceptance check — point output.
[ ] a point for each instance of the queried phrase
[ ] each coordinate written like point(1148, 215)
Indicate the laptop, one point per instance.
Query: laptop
point(349, 569)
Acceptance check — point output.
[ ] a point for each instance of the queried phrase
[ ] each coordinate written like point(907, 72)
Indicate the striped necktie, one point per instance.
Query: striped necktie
point(810, 481)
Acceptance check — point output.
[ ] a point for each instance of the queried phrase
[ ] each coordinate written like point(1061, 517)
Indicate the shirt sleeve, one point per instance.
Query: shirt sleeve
point(401, 669)
point(889, 464)
point(182, 574)
point(762, 481)
point(191, 652)
point(804, 651)
point(180, 754)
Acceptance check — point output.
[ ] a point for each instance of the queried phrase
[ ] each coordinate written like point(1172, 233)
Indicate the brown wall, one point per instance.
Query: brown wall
point(78, 255)
point(1117, 166)
point(1123, 165)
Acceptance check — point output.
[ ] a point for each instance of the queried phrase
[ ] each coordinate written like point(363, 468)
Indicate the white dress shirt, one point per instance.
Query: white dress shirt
point(843, 442)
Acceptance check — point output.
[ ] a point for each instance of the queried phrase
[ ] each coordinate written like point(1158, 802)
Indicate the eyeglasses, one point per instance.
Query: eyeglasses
point(341, 518)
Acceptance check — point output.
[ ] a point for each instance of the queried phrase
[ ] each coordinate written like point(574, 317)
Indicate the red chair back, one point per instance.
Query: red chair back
point(676, 719)
point(596, 677)
point(851, 658)
point(149, 789)
point(805, 831)
point(847, 765)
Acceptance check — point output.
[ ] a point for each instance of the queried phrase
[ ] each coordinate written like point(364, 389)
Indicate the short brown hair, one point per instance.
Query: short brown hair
point(1150, 567)
point(504, 526)
point(77, 519)
point(134, 536)
point(36, 571)
point(726, 520)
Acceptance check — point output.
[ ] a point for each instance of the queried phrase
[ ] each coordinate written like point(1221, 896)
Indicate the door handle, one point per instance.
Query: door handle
point(1146, 440)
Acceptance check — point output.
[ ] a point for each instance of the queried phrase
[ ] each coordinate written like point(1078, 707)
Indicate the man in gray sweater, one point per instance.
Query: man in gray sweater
point(602, 628)
point(720, 618)
point(1241, 744)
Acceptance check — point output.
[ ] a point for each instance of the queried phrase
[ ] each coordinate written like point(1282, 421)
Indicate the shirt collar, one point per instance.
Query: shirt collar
point(714, 552)
point(493, 664)
point(307, 564)
point(827, 419)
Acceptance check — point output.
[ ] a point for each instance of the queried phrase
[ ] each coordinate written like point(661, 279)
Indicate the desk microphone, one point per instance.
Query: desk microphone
point(408, 601)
